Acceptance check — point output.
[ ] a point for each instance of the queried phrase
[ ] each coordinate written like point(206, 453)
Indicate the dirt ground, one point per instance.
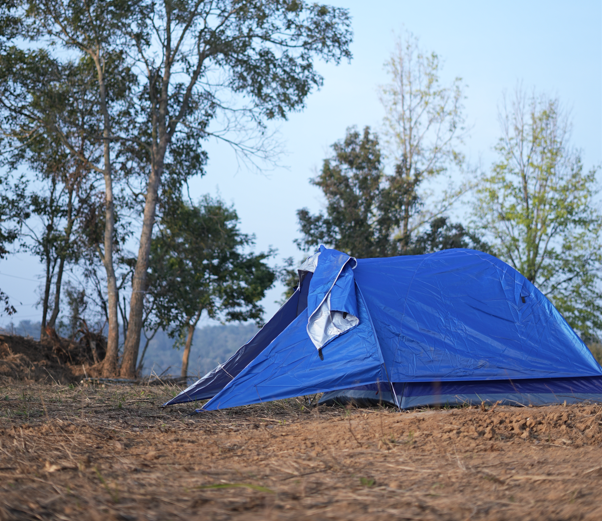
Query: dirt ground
point(59, 361)
point(90, 452)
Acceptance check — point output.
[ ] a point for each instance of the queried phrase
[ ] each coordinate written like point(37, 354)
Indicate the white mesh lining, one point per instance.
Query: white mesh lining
point(324, 324)
point(310, 263)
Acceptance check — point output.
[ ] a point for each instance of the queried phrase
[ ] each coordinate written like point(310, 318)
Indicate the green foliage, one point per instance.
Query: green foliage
point(198, 263)
point(444, 235)
point(132, 89)
point(10, 21)
point(365, 207)
point(233, 66)
point(539, 209)
point(372, 213)
point(351, 182)
point(423, 131)
point(49, 103)
point(289, 277)
point(48, 121)
point(367, 482)
point(13, 211)
point(76, 303)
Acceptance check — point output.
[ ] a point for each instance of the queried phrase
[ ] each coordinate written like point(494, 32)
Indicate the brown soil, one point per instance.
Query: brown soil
point(76, 452)
point(26, 359)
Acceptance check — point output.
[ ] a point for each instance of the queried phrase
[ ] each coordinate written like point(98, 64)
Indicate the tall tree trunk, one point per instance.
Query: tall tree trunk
point(63, 257)
point(186, 355)
point(57, 293)
point(406, 225)
point(160, 141)
point(163, 128)
point(46, 298)
point(132, 341)
point(46, 247)
point(110, 361)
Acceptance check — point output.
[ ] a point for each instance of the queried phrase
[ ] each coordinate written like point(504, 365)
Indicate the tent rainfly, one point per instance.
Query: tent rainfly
point(452, 327)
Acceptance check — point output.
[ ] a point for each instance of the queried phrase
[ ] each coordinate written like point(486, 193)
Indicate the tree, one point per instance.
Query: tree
point(10, 21)
point(444, 235)
point(288, 276)
point(352, 183)
point(58, 197)
point(163, 72)
point(50, 124)
point(246, 61)
point(365, 207)
point(373, 213)
point(423, 130)
point(199, 265)
point(539, 210)
point(12, 197)
point(39, 88)
point(13, 212)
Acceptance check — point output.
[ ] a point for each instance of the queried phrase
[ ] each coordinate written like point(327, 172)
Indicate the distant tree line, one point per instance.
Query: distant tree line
point(213, 345)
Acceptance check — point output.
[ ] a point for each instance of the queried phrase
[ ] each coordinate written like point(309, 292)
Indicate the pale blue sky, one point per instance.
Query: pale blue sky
point(550, 46)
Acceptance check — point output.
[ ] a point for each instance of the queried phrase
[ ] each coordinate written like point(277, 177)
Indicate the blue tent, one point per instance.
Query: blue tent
point(456, 326)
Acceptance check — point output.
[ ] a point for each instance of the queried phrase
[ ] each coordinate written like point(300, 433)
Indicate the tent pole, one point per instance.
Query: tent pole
point(391, 384)
point(395, 396)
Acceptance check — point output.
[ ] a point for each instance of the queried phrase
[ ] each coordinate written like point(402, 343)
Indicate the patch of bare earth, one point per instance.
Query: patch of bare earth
point(76, 452)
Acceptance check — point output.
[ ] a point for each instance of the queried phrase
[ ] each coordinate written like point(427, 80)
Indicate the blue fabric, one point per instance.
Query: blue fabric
point(582, 385)
point(451, 316)
point(303, 293)
point(537, 391)
point(459, 315)
point(330, 265)
point(541, 391)
point(342, 296)
point(214, 381)
point(290, 365)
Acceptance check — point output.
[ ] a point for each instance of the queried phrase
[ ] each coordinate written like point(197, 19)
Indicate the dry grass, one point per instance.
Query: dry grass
point(75, 452)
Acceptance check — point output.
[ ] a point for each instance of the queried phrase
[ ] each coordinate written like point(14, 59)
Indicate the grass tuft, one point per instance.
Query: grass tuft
point(367, 482)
